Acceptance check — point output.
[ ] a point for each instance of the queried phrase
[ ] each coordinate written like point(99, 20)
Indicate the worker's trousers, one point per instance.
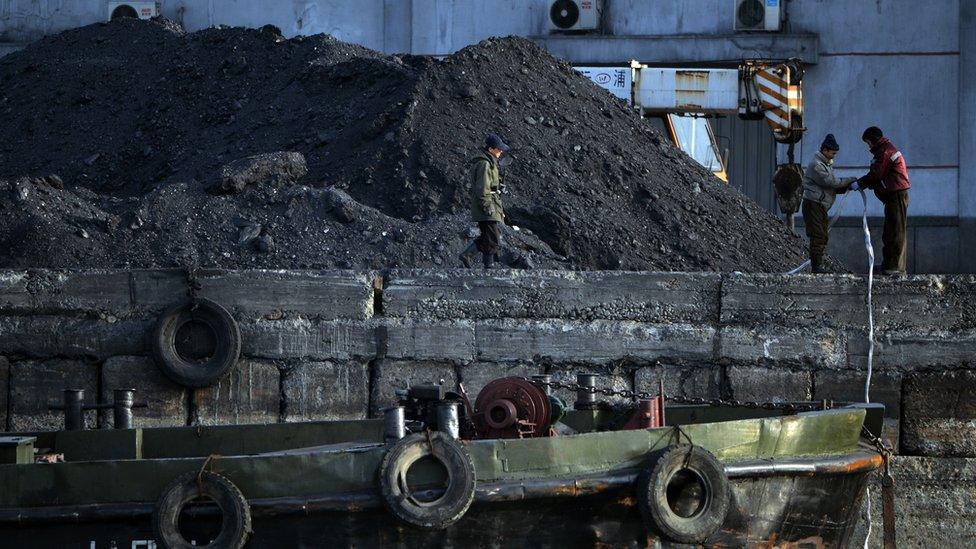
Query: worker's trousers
point(894, 236)
point(816, 223)
point(489, 241)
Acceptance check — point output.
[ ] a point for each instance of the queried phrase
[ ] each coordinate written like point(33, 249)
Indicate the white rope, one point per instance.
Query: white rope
point(870, 251)
point(799, 268)
point(867, 382)
point(867, 496)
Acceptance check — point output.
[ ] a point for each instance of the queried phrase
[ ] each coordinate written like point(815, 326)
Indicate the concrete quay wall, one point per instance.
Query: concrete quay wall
point(337, 344)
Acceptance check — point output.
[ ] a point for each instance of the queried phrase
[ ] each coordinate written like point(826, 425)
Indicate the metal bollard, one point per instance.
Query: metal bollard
point(585, 398)
point(394, 424)
point(74, 419)
point(544, 380)
point(447, 419)
point(123, 400)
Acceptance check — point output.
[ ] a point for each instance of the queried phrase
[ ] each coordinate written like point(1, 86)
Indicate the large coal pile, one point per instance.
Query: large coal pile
point(134, 144)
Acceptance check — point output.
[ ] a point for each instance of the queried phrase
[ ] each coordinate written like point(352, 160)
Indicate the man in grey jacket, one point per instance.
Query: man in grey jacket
point(820, 187)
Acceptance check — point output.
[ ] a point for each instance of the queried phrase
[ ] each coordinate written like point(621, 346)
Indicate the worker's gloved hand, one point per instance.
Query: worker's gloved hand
point(503, 188)
point(854, 185)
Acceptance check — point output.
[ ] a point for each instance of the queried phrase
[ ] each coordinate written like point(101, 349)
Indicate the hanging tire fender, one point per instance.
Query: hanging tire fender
point(684, 494)
point(196, 374)
point(235, 511)
point(439, 513)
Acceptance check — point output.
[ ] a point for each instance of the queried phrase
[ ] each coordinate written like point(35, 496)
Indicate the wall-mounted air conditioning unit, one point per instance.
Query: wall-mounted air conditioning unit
point(574, 15)
point(758, 15)
point(141, 10)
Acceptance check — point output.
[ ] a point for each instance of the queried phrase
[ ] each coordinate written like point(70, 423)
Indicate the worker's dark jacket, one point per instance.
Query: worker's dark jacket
point(486, 198)
point(889, 173)
point(819, 182)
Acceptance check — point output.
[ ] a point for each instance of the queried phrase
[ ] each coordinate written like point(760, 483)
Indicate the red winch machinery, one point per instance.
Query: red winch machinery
point(518, 407)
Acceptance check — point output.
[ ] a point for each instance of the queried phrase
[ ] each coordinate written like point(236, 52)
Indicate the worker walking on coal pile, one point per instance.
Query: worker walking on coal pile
point(486, 202)
point(888, 177)
point(820, 187)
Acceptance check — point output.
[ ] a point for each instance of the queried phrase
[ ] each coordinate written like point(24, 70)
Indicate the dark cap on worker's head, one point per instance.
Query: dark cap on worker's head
point(872, 134)
point(830, 143)
point(495, 142)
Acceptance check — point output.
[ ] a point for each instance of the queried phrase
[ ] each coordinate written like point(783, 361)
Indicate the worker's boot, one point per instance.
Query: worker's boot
point(817, 265)
point(467, 254)
point(488, 260)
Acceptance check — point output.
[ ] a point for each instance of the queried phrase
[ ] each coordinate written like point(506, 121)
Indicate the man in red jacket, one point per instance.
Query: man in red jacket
point(888, 177)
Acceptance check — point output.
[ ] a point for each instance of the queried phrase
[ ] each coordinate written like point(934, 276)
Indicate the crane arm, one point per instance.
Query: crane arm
point(774, 92)
point(756, 90)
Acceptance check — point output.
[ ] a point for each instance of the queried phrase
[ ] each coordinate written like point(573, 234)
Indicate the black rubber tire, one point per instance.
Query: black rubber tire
point(652, 494)
point(236, 513)
point(196, 374)
point(451, 506)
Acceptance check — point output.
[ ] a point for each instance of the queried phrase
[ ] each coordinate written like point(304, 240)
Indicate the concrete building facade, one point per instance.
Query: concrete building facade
point(907, 67)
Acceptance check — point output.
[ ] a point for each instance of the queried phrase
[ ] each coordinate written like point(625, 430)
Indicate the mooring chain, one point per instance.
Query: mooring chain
point(883, 447)
point(887, 491)
point(639, 395)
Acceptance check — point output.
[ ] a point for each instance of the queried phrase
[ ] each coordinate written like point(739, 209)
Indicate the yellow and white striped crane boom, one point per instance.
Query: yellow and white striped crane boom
point(780, 96)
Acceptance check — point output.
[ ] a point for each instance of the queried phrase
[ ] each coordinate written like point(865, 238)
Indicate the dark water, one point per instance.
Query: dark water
point(558, 523)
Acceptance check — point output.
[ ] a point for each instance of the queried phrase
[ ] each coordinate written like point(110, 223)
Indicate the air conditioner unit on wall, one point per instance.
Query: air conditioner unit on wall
point(574, 15)
point(142, 10)
point(758, 15)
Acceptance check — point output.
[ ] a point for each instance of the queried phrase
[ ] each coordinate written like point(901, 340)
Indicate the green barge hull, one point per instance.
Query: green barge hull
point(794, 479)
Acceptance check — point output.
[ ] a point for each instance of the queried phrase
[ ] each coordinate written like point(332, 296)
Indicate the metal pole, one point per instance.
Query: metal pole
point(447, 419)
point(73, 418)
point(661, 400)
point(122, 406)
point(585, 396)
point(394, 424)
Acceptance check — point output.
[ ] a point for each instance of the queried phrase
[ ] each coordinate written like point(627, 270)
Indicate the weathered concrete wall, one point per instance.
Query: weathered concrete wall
point(933, 504)
point(706, 334)
point(62, 329)
point(36, 384)
point(331, 345)
point(167, 403)
point(312, 391)
point(4, 391)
